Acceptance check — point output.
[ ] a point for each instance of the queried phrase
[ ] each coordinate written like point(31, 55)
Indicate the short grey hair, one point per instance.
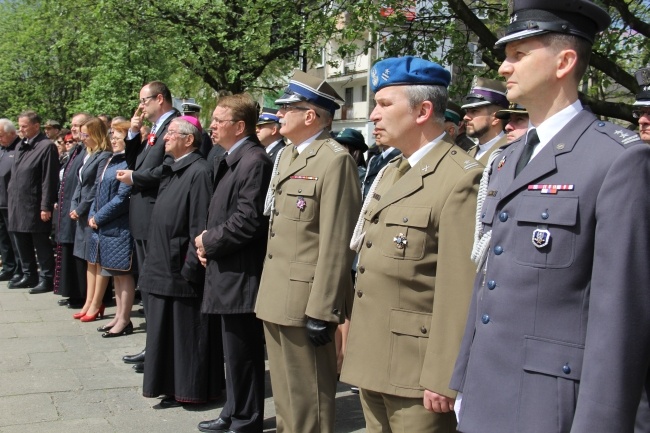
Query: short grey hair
point(7, 125)
point(437, 95)
point(185, 127)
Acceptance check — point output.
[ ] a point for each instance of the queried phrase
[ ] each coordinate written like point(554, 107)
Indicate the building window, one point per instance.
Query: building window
point(349, 96)
point(364, 93)
point(476, 55)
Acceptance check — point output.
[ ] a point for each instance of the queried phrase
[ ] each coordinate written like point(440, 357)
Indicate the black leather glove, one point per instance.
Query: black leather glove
point(318, 332)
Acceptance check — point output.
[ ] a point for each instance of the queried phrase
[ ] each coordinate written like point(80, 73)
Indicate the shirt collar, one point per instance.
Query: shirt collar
point(300, 147)
point(236, 145)
point(419, 154)
point(551, 126)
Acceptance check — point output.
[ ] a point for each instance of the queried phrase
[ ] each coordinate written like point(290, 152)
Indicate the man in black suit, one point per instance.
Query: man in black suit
point(268, 132)
point(145, 158)
point(31, 198)
point(233, 248)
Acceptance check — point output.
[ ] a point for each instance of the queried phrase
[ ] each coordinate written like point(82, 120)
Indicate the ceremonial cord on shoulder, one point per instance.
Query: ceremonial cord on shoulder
point(482, 240)
point(357, 235)
point(269, 201)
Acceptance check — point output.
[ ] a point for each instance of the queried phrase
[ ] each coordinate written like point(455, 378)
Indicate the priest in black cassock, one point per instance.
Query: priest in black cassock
point(183, 345)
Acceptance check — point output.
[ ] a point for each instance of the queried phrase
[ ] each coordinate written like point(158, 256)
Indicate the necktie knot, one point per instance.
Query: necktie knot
point(294, 154)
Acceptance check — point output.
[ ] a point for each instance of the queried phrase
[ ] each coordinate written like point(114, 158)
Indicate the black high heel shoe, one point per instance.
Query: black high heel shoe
point(128, 329)
point(105, 328)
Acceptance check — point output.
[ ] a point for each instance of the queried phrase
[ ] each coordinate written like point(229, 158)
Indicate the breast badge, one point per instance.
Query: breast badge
point(400, 241)
point(301, 203)
point(541, 236)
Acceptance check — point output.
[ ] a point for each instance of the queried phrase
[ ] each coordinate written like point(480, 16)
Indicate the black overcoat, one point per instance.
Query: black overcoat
point(235, 241)
point(33, 185)
point(171, 267)
point(7, 155)
point(66, 226)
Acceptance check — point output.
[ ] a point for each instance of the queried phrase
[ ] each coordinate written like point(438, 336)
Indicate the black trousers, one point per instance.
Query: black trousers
point(10, 260)
point(26, 243)
point(243, 348)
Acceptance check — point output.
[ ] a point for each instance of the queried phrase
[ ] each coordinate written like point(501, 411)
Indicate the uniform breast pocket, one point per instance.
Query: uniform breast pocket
point(405, 233)
point(546, 231)
point(299, 201)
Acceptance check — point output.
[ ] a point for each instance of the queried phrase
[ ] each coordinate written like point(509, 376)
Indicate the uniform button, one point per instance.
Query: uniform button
point(423, 330)
point(405, 219)
point(280, 191)
point(272, 234)
point(566, 368)
point(361, 269)
point(503, 217)
point(299, 190)
point(544, 215)
point(491, 284)
point(375, 221)
point(368, 244)
point(359, 293)
point(276, 212)
point(483, 215)
point(498, 250)
point(485, 319)
point(601, 124)
point(270, 256)
point(335, 311)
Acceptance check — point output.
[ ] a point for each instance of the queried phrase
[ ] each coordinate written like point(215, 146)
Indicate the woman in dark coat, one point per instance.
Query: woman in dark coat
point(182, 344)
point(94, 134)
point(111, 243)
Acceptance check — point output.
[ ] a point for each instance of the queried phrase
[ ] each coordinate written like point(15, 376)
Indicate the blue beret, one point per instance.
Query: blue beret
point(408, 70)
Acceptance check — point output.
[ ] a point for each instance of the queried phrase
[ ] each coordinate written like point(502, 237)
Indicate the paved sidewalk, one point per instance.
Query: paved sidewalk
point(58, 375)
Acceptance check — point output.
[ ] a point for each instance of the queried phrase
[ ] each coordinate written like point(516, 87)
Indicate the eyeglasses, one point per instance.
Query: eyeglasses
point(289, 107)
point(144, 100)
point(116, 138)
point(637, 114)
point(220, 121)
point(83, 135)
point(170, 132)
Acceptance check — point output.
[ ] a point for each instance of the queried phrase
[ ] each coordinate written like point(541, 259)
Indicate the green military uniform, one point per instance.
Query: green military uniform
point(307, 273)
point(414, 278)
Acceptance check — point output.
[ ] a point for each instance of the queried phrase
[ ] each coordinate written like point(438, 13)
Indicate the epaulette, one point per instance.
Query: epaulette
point(334, 146)
point(465, 161)
point(622, 136)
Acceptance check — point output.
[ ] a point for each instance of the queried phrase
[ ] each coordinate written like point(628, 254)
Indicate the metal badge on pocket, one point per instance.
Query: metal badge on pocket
point(541, 236)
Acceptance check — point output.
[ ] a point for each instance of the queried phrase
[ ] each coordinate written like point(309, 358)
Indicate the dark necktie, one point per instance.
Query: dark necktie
point(531, 142)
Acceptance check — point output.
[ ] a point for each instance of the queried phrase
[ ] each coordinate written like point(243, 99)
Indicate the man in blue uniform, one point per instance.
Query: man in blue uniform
point(558, 333)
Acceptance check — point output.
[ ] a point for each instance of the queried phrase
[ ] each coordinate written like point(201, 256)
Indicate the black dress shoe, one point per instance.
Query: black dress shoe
point(6, 275)
point(24, 283)
point(134, 359)
point(16, 278)
point(168, 403)
point(43, 286)
point(139, 367)
point(214, 426)
point(63, 302)
point(75, 305)
point(128, 329)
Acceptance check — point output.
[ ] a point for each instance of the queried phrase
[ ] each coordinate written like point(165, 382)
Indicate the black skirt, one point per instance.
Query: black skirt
point(184, 350)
